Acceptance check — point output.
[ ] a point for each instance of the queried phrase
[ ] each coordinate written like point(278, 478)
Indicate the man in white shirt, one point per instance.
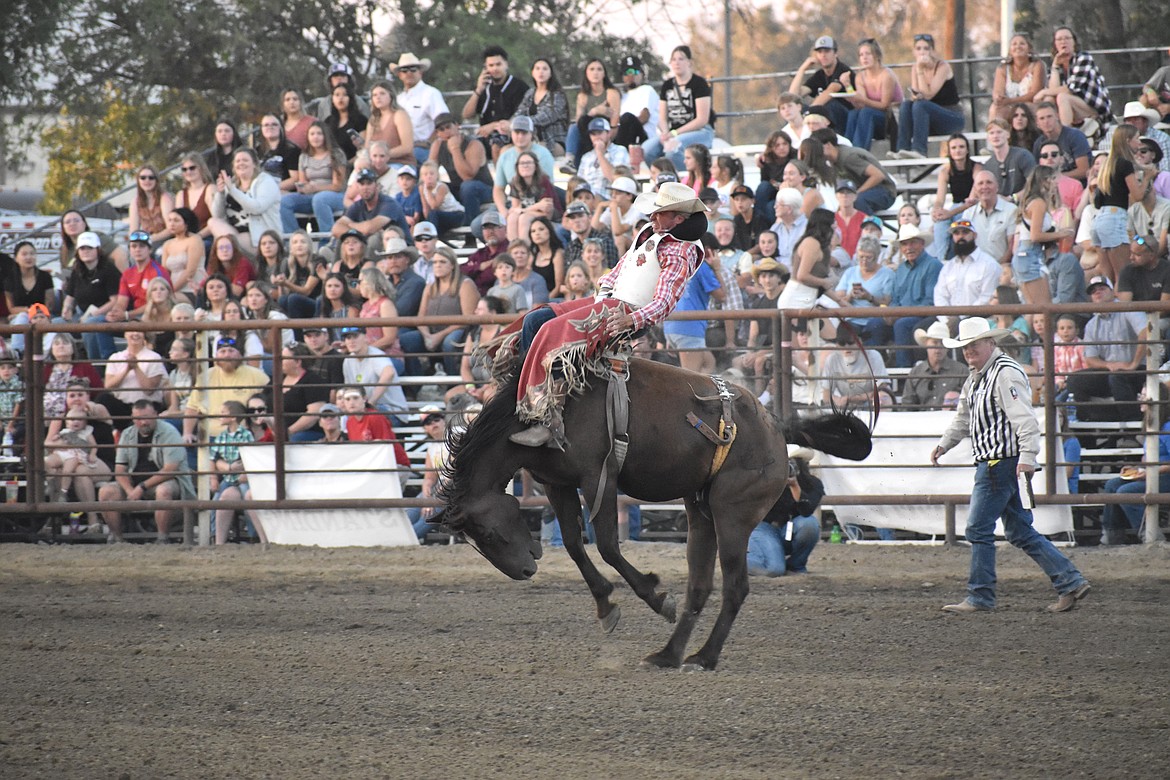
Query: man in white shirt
point(790, 224)
point(970, 277)
point(369, 367)
point(597, 165)
point(992, 215)
point(419, 100)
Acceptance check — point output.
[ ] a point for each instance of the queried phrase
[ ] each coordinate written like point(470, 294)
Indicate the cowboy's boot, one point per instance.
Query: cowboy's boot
point(550, 432)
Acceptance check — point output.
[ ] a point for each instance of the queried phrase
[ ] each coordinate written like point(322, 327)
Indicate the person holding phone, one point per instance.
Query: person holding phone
point(346, 121)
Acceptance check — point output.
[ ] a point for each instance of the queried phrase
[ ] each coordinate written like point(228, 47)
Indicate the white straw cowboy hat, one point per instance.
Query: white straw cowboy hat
point(1134, 109)
point(909, 232)
point(671, 196)
point(937, 330)
point(407, 59)
point(973, 329)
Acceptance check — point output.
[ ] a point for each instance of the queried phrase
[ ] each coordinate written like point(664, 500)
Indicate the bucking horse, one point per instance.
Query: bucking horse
point(681, 434)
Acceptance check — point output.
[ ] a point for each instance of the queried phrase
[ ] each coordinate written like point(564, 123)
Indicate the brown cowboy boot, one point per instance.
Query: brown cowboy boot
point(539, 434)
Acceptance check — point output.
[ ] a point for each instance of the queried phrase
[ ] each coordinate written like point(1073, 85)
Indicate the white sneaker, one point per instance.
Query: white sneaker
point(910, 154)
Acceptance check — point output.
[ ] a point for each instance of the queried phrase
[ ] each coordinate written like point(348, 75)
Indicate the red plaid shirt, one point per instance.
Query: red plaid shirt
point(678, 259)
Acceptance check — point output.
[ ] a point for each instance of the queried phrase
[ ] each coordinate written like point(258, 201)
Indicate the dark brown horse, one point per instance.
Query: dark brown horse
point(667, 459)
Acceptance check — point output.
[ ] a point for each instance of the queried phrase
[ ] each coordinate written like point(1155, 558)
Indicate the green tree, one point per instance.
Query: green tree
point(94, 154)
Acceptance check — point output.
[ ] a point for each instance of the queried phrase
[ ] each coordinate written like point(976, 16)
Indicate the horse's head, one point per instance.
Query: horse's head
point(494, 526)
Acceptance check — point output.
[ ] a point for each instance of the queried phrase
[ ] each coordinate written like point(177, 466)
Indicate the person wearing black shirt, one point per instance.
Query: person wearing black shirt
point(685, 115)
point(1147, 277)
point(825, 82)
point(494, 100)
point(748, 225)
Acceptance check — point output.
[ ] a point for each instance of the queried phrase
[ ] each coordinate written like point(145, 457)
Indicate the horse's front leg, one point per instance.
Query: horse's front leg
point(605, 526)
point(567, 507)
point(701, 544)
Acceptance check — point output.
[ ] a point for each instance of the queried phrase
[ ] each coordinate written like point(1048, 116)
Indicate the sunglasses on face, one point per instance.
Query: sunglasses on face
point(1050, 155)
point(924, 37)
point(147, 177)
point(408, 69)
point(423, 238)
point(188, 168)
point(257, 409)
point(631, 71)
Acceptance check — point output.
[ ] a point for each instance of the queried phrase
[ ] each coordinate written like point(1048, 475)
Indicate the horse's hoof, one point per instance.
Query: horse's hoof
point(668, 609)
point(696, 664)
point(610, 621)
point(658, 661)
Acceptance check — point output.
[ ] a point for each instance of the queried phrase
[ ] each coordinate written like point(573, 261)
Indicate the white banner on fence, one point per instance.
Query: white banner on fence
point(340, 472)
point(905, 470)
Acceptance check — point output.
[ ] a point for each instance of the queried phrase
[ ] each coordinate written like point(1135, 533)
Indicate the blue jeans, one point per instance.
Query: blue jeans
point(653, 147)
point(765, 205)
point(301, 437)
point(447, 220)
point(533, 321)
point(770, 555)
point(473, 194)
point(322, 204)
point(1133, 513)
point(920, 119)
point(412, 342)
point(874, 200)
point(98, 346)
point(298, 307)
point(839, 112)
point(997, 495)
point(863, 125)
point(904, 328)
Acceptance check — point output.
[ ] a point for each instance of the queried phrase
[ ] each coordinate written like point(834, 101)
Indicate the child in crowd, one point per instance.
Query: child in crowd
point(577, 282)
point(512, 294)
point(439, 205)
point(70, 447)
point(409, 198)
point(11, 398)
point(228, 467)
point(1068, 353)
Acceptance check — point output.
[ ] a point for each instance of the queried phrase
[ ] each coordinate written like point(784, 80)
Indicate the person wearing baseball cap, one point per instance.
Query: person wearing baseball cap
point(337, 74)
point(523, 140)
point(995, 411)
point(821, 76)
point(642, 290)
point(372, 210)
point(598, 164)
point(639, 109)
point(619, 215)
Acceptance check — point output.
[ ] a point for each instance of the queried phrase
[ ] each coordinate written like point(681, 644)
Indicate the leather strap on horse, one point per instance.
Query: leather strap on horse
point(727, 427)
point(617, 420)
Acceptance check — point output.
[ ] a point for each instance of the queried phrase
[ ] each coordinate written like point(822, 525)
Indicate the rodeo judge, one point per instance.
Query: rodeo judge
point(642, 290)
point(995, 410)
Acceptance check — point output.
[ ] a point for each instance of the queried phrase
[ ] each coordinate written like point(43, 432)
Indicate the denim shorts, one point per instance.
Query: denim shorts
point(1027, 264)
point(1110, 227)
point(680, 341)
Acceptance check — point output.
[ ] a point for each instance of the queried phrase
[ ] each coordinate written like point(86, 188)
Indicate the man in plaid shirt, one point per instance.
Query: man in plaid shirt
point(641, 291)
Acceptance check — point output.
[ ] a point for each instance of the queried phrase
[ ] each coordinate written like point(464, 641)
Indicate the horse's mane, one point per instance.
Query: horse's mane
point(470, 445)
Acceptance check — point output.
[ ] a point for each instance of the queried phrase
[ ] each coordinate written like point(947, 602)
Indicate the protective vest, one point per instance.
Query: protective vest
point(638, 277)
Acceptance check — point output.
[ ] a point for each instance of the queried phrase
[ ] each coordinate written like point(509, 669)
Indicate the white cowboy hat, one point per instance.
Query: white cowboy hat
point(937, 330)
point(797, 452)
point(1135, 109)
point(909, 232)
point(671, 196)
point(973, 329)
point(407, 59)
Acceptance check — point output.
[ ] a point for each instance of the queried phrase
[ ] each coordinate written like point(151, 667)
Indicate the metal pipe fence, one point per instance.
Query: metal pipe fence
point(780, 323)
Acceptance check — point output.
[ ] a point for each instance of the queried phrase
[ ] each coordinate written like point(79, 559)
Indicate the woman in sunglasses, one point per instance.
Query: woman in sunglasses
point(150, 206)
point(197, 191)
point(933, 107)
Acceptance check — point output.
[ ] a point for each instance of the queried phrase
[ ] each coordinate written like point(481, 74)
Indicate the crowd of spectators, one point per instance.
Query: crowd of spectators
point(355, 206)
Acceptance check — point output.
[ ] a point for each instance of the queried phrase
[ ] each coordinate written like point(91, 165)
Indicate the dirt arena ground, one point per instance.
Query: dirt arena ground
point(143, 662)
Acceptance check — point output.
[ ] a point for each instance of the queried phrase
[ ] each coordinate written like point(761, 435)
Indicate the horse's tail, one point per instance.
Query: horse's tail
point(838, 433)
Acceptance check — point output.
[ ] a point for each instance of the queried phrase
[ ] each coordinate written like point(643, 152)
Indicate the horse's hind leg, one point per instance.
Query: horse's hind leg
point(567, 507)
point(733, 542)
point(701, 544)
point(606, 527)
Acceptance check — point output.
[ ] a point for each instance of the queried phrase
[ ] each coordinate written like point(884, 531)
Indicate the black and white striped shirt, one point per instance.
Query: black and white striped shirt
point(995, 410)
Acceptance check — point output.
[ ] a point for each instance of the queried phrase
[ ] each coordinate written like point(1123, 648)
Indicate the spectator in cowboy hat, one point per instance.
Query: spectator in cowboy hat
point(914, 282)
point(422, 102)
point(935, 382)
point(1144, 119)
